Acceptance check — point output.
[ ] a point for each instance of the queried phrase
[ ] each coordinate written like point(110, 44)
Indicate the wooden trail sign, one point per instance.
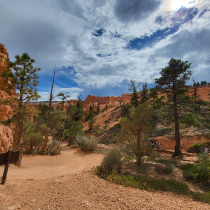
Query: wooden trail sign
point(6, 159)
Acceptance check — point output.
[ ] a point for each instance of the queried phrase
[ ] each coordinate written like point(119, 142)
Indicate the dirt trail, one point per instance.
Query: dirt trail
point(65, 182)
point(70, 161)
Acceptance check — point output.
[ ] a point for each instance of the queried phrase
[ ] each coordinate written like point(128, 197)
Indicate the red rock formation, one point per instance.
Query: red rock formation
point(5, 111)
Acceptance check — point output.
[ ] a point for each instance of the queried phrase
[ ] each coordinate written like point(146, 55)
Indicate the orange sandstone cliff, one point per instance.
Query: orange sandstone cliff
point(5, 111)
point(103, 101)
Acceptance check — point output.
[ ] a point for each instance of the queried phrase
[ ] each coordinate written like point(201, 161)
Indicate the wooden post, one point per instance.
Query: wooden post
point(6, 168)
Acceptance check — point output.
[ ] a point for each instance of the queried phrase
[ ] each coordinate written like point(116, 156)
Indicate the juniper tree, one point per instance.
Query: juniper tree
point(23, 79)
point(173, 81)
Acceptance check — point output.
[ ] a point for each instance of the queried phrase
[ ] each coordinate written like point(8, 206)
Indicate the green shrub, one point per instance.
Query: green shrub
point(112, 160)
point(195, 148)
point(149, 183)
point(203, 174)
point(101, 171)
point(128, 158)
point(87, 144)
point(166, 162)
point(190, 119)
point(189, 175)
point(160, 132)
point(167, 169)
point(52, 150)
point(202, 197)
point(187, 166)
point(198, 172)
point(204, 159)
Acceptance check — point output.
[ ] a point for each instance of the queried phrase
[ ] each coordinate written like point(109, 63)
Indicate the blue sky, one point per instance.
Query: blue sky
point(97, 46)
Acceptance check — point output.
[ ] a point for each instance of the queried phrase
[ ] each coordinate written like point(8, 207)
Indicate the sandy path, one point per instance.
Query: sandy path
point(64, 182)
point(70, 161)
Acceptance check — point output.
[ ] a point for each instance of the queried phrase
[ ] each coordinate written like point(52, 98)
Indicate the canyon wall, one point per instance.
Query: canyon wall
point(6, 136)
point(103, 101)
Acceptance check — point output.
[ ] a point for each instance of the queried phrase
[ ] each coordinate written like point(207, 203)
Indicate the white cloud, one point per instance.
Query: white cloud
point(60, 32)
point(74, 92)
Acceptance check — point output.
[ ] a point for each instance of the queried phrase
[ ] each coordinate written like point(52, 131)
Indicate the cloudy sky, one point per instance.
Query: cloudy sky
point(97, 46)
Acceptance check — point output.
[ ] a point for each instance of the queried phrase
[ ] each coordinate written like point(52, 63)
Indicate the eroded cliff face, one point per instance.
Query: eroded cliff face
point(5, 111)
point(103, 101)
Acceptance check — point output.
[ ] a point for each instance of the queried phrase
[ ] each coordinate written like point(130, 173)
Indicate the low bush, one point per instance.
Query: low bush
point(52, 149)
point(112, 160)
point(149, 183)
point(199, 172)
point(190, 119)
point(87, 144)
point(160, 132)
point(202, 197)
point(195, 148)
point(167, 162)
point(166, 169)
point(189, 175)
point(101, 171)
point(127, 158)
point(204, 159)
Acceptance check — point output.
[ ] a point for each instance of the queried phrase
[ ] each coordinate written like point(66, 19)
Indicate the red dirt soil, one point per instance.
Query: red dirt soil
point(63, 182)
point(169, 143)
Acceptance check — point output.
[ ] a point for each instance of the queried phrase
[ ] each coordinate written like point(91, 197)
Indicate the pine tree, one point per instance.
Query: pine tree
point(153, 95)
point(173, 80)
point(144, 94)
point(98, 109)
point(24, 80)
point(132, 87)
point(63, 98)
point(91, 117)
point(124, 112)
point(77, 112)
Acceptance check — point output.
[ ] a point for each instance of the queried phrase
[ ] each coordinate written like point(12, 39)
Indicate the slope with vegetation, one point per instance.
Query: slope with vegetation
point(133, 129)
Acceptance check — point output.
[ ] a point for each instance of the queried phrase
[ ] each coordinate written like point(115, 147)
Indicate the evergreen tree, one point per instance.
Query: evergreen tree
point(124, 112)
point(98, 109)
point(196, 98)
point(63, 98)
point(43, 109)
point(91, 117)
point(24, 81)
point(77, 112)
point(91, 122)
point(153, 95)
point(75, 129)
point(135, 130)
point(144, 94)
point(132, 87)
point(173, 80)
